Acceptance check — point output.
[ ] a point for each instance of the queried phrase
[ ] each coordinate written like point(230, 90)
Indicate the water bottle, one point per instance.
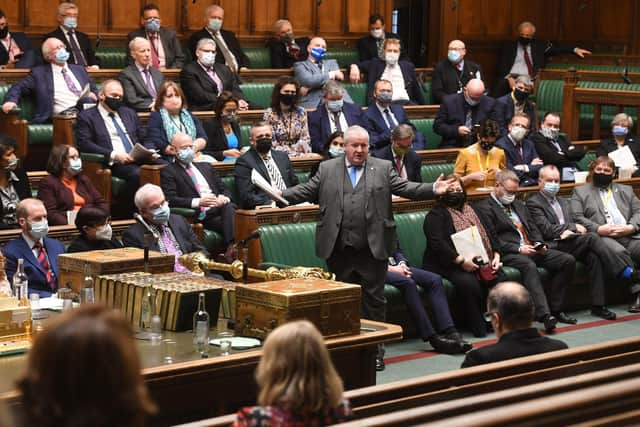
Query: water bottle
point(21, 284)
point(201, 327)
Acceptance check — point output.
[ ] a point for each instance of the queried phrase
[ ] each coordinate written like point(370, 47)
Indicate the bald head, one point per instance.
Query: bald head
point(474, 89)
point(513, 305)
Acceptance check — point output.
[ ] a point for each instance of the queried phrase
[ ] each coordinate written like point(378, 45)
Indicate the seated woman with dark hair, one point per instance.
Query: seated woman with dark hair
point(333, 147)
point(83, 370)
point(299, 387)
point(66, 189)
point(14, 184)
point(95, 230)
point(223, 130)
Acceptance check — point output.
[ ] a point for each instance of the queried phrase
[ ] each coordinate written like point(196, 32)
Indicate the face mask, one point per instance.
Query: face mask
point(12, 165)
point(229, 117)
point(186, 155)
point(385, 97)
point(507, 199)
point(524, 41)
point(62, 56)
point(263, 145)
point(601, 179)
point(161, 214)
point(454, 199)
point(39, 229)
point(549, 133)
point(399, 150)
point(4, 32)
point(377, 33)
point(287, 98)
point(75, 166)
point(70, 23)
point(335, 106)
point(318, 53)
point(104, 232)
point(551, 188)
point(208, 59)
point(517, 133)
point(215, 24)
point(391, 58)
point(520, 95)
point(336, 151)
point(471, 102)
point(152, 26)
point(113, 103)
point(620, 131)
point(486, 146)
point(288, 37)
point(454, 56)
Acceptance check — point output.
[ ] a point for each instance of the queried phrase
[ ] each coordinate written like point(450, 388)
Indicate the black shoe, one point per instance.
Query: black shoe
point(463, 345)
point(549, 322)
point(565, 318)
point(445, 345)
point(635, 307)
point(602, 311)
point(379, 364)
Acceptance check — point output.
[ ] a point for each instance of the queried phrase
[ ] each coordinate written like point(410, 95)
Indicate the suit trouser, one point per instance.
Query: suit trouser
point(221, 219)
point(432, 284)
point(560, 265)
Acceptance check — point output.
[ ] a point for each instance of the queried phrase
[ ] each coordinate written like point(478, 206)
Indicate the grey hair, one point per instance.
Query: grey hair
point(621, 118)
point(353, 131)
point(506, 175)
point(402, 131)
point(524, 79)
point(63, 7)
point(547, 168)
point(134, 41)
point(279, 23)
point(332, 88)
point(143, 193)
point(211, 8)
point(205, 41)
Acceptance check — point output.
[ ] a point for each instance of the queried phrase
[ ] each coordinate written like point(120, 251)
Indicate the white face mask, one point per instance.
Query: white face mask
point(391, 58)
point(517, 133)
point(104, 232)
point(507, 199)
point(377, 33)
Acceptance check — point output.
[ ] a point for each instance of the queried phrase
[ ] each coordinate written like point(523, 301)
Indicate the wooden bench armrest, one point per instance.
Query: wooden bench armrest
point(150, 174)
point(63, 129)
point(12, 125)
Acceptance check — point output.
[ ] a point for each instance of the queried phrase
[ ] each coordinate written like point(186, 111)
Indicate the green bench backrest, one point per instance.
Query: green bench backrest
point(358, 92)
point(258, 93)
point(426, 127)
point(260, 57)
point(345, 57)
point(607, 112)
point(431, 172)
point(112, 57)
point(591, 67)
point(411, 236)
point(583, 164)
point(549, 97)
point(290, 244)
point(426, 92)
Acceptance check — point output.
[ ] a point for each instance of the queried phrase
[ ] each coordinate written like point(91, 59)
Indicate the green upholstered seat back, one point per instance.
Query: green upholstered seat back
point(245, 131)
point(583, 164)
point(290, 244)
point(260, 57)
point(258, 93)
point(426, 127)
point(411, 236)
point(431, 172)
point(549, 97)
point(426, 92)
point(358, 92)
point(230, 184)
point(112, 57)
point(345, 57)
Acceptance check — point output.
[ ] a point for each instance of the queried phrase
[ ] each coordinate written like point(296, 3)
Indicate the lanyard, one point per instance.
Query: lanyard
point(486, 169)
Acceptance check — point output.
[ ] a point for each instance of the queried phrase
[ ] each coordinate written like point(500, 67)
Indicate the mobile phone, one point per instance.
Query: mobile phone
point(538, 246)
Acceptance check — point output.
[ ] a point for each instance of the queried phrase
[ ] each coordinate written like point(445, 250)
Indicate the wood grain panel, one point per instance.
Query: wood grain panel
point(265, 13)
point(236, 15)
point(358, 12)
point(497, 18)
point(41, 14)
point(330, 19)
point(170, 13)
point(470, 19)
point(614, 23)
point(301, 14)
point(540, 12)
point(578, 18)
point(88, 12)
point(123, 16)
point(195, 15)
point(12, 12)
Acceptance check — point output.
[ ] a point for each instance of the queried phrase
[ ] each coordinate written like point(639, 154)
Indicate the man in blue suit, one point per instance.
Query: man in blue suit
point(517, 101)
point(40, 253)
point(520, 152)
point(406, 162)
point(333, 114)
point(383, 116)
point(15, 48)
point(57, 86)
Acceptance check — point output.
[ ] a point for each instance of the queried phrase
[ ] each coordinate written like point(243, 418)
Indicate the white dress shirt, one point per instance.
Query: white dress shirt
point(63, 98)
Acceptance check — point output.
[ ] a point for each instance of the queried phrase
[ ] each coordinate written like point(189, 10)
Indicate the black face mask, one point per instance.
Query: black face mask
point(454, 199)
point(4, 32)
point(113, 103)
point(287, 98)
point(524, 41)
point(520, 95)
point(263, 145)
point(486, 145)
point(602, 179)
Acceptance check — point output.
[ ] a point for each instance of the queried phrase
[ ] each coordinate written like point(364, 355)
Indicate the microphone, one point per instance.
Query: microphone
point(142, 222)
point(255, 234)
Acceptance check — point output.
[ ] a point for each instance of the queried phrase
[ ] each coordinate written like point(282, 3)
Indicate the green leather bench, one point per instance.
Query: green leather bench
point(344, 57)
point(258, 94)
point(591, 67)
point(426, 127)
point(112, 57)
point(260, 57)
point(358, 92)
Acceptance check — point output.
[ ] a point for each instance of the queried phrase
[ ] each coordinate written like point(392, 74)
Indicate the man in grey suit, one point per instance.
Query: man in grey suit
point(613, 211)
point(141, 82)
point(165, 47)
point(315, 71)
point(356, 232)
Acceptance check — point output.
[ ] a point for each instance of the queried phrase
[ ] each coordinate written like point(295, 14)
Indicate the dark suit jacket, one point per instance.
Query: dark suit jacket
point(513, 158)
point(229, 38)
point(412, 162)
point(280, 58)
point(540, 49)
point(92, 134)
point(23, 189)
point(30, 58)
point(84, 45)
point(379, 133)
point(608, 145)
point(178, 186)
point(520, 343)
point(368, 48)
point(505, 111)
point(201, 91)
point(250, 196)
point(136, 94)
point(216, 138)
point(157, 137)
point(58, 199)
point(374, 69)
point(82, 244)
point(18, 248)
point(447, 79)
point(133, 236)
point(551, 156)
point(39, 84)
point(546, 219)
point(452, 114)
point(174, 57)
point(498, 223)
point(320, 125)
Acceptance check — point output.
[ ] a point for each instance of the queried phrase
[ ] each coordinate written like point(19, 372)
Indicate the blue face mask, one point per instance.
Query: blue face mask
point(453, 56)
point(335, 106)
point(62, 56)
point(75, 166)
point(186, 155)
point(152, 26)
point(318, 53)
point(208, 59)
point(215, 24)
point(39, 229)
point(620, 131)
point(70, 23)
point(551, 188)
point(161, 214)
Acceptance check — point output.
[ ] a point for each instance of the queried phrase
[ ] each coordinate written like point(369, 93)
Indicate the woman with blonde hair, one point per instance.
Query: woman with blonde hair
point(298, 384)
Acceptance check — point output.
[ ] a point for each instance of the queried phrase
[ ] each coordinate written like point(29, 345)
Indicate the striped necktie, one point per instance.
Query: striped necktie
point(43, 260)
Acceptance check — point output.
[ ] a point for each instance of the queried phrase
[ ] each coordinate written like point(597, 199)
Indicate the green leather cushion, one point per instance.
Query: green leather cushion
point(213, 242)
point(290, 244)
point(426, 127)
point(345, 57)
point(260, 57)
point(112, 57)
point(431, 172)
point(40, 134)
point(258, 93)
point(583, 164)
point(358, 92)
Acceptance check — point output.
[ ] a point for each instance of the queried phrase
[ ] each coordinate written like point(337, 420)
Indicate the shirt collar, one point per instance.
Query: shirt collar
point(348, 163)
point(29, 240)
point(548, 197)
point(58, 68)
point(13, 176)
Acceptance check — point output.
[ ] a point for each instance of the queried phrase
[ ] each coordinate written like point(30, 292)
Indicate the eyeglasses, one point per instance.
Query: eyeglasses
point(488, 316)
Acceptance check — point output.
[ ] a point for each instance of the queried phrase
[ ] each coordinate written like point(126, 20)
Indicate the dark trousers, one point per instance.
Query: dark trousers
point(221, 219)
point(432, 285)
point(130, 173)
point(560, 265)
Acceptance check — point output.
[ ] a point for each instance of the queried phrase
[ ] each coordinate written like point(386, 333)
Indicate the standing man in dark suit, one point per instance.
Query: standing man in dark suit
point(406, 161)
point(371, 46)
point(56, 86)
point(175, 234)
point(40, 253)
point(525, 56)
point(229, 51)
point(554, 217)
point(284, 47)
point(16, 50)
point(521, 247)
point(510, 310)
point(356, 233)
point(461, 112)
point(165, 47)
point(520, 152)
point(517, 101)
point(197, 186)
point(77, 43)
point(335, 113)
point(140, 80)
point(452, 74)
point(273, 165)
point(204, 79)
point(383, 116)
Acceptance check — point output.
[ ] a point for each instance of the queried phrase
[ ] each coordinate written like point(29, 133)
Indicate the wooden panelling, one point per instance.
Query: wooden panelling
point(265, 13)
point(470, 23)
point(577, 17)
point(195, 15)
point(614, 23)
point(122, 17)
point(330, 17)
point(358, 12)
point(301, 14)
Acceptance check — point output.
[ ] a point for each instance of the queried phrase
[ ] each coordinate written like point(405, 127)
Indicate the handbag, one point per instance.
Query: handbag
point(486, 274)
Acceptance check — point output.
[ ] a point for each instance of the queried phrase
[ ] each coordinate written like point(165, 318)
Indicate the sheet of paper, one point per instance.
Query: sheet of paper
point(468, 243)
point(623, 157)
point(142, 154)
point(259, 181)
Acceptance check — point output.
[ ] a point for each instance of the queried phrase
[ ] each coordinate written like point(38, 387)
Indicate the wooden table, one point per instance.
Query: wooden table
point(193, 388)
